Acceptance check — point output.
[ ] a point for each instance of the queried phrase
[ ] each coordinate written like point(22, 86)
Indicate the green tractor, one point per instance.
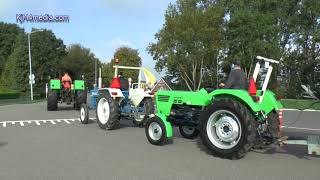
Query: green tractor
point(229, 121)
point(75, 94)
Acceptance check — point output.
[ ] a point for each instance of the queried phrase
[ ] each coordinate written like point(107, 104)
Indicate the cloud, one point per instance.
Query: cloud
point(118, 42)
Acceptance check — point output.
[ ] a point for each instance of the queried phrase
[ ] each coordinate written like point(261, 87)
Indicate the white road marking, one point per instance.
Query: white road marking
point(38, 122)
point(65, 120)
point(310, 129)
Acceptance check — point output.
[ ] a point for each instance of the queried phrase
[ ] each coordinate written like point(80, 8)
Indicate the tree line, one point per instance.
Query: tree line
point(51, 58)
point(201, 38)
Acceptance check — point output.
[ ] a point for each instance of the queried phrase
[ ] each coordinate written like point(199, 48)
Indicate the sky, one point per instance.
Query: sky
point(100, 25)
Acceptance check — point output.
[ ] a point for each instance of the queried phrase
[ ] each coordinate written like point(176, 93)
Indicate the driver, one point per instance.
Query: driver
point(237, 79)
point(66, 80)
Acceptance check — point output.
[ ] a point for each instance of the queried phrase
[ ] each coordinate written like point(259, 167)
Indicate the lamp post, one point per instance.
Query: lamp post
point(30, 68)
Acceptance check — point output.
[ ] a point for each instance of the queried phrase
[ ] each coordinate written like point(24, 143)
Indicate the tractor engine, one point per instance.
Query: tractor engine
point(183, 115)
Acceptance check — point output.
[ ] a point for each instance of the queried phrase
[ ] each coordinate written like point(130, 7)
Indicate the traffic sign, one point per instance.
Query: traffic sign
point(31, 77)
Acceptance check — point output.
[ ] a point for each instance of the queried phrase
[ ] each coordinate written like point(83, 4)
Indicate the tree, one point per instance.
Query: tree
point(189, 43)
point(46, 50)
point(127, 57)
point(80, 61)
point(8, 38)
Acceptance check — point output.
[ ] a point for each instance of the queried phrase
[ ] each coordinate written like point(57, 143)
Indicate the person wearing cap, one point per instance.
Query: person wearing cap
point(237, 79)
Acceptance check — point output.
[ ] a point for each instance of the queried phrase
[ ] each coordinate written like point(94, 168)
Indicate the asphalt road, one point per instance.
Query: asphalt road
point(55, 145)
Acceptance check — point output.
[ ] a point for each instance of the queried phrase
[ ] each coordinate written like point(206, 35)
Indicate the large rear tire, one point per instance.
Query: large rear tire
point(140, 119)
point(52, 100)
point(107, 111)
point(274, 125)
point(81, 98)
point(228, 129)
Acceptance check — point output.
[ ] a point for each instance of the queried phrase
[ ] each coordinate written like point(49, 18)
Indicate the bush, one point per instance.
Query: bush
point(300, 104)
point(9, 95)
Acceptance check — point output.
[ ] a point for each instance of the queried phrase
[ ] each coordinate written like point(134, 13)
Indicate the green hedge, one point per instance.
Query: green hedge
point(300, 104)
point(9, 95)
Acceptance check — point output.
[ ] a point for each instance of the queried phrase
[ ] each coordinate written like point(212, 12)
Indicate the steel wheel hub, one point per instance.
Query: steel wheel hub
point(224, 129)
point(82, 113)
point(188, 129)
point(155, 131)
point(103, 110)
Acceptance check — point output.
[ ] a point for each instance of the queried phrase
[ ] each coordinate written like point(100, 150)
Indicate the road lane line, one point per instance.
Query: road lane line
point(21, 123)
point(37, 122)
point(13, 122)
point(52, 121)
point(65, 120)
point(58, 120)
point(29, 122)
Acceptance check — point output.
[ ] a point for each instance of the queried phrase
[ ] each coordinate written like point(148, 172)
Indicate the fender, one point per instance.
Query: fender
point(239, 94)
point(167, 124)
point(268, 104)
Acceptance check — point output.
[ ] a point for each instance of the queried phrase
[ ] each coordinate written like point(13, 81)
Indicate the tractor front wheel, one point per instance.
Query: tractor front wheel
point(156, 131)
point(84, 114)
point(228, 129)
point(52, 101)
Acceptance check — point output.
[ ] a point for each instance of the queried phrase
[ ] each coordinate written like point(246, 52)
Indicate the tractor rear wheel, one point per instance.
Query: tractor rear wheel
point(189, 132)
point(81, 98)
point(140, 118)
point(274, 125)
point(228, 129)
point(107, 111)
point(52, 101)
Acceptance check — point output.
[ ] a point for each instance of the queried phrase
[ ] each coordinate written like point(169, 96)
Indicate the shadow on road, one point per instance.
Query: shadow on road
point(3, 144)
point(298, 151)
point(66, 108)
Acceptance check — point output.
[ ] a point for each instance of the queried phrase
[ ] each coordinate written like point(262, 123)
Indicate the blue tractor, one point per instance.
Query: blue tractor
point(115, 103)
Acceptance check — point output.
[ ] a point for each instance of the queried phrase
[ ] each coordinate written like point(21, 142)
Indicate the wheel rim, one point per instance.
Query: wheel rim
point(82, 114)
point(188, 129)
point(155, 131)
point(103, 110)
point(224, 129)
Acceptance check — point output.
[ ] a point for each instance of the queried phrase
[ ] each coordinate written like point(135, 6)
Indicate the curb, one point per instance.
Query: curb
point(307, 110)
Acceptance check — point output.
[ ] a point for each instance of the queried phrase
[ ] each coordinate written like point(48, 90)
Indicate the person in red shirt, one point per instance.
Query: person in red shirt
point(66, 81)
